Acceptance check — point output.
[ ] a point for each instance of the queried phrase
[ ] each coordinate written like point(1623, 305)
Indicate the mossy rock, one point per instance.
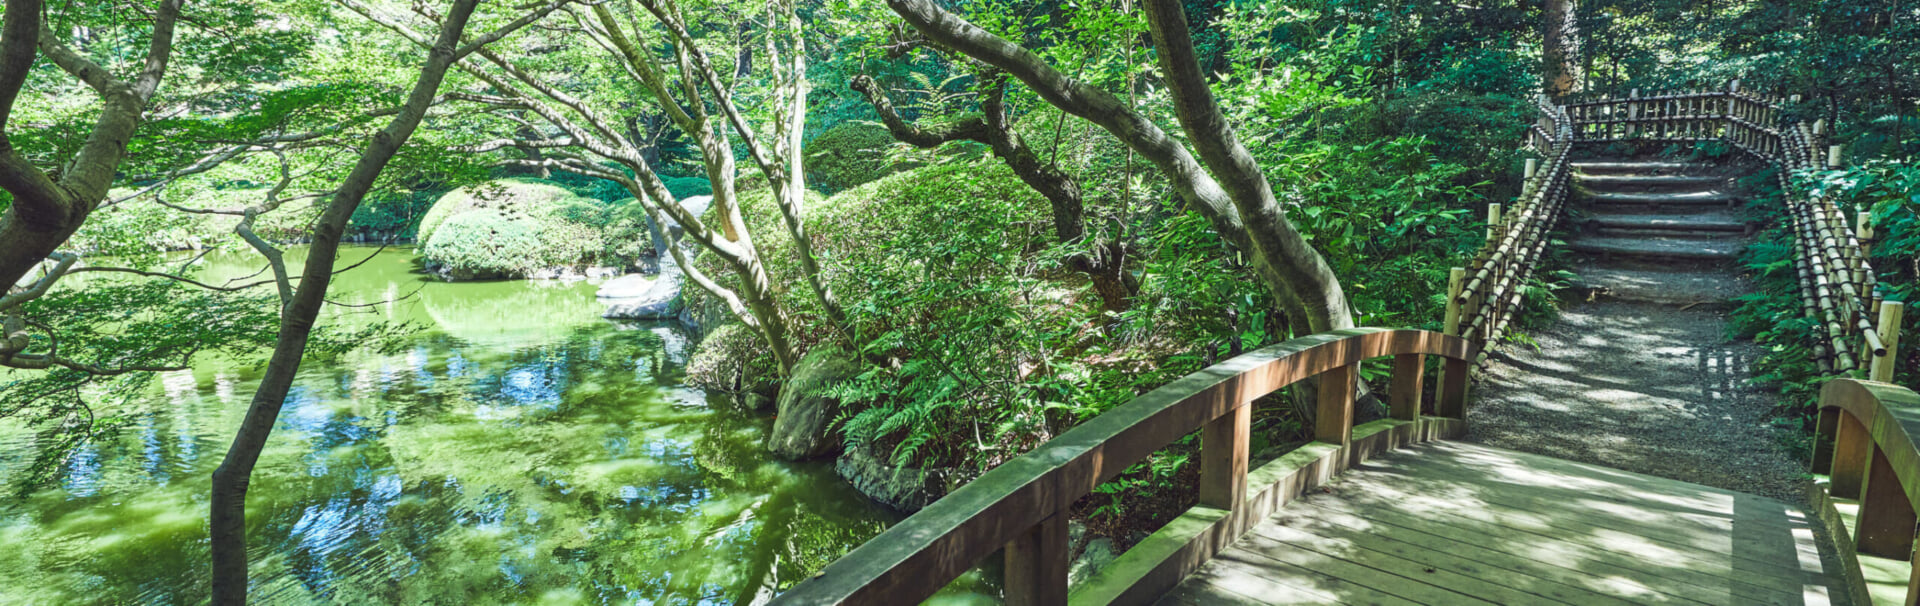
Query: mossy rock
point(804, 428)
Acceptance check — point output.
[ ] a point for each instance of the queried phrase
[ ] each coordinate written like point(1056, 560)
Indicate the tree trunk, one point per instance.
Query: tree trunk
point(1560, 48)
point(227, 521)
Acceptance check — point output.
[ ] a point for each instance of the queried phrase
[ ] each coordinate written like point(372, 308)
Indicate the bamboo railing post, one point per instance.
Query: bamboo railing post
point(1450, 325)
point(1833, 155)
point(1037, 562)
point(1889, 330)
point(1223, 458)
point(1493, 222)
point(1633, 114)
point(1456, 279)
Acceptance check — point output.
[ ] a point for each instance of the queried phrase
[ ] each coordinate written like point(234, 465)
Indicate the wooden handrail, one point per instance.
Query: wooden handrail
point(1866, 447)
point(1023, 504)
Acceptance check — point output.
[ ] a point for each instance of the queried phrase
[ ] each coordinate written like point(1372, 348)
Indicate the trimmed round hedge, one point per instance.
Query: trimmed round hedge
point(511, 228)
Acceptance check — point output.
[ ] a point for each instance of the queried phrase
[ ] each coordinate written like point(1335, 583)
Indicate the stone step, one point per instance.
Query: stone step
point(1692, 198)
point(1642, 167)
point(1664, 285)
point(1655, 247)
point(1710, 222)
point(1642, 183)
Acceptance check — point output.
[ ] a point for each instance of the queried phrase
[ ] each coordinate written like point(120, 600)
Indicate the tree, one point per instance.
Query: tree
point(1560, 48)
point(1228, 189)
point(48, 205)
point(1105, 263)
point(583, 136)
point(227, 521)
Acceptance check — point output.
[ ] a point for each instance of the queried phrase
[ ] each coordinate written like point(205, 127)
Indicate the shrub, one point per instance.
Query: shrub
point(517, 194)
point(935, 267)
point(687, 187)
point(731, 359)
point(848, 155)
point(512, 228)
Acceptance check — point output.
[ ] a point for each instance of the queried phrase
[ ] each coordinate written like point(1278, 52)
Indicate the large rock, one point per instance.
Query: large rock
point(803, 428)
point(905, 489)
point(660, 300)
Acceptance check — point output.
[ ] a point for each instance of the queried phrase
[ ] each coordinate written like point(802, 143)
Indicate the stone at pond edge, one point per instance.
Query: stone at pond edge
point(756, 401)
point(661, 299)
point(906, 489)
point(1098, 554)
point(803, 428)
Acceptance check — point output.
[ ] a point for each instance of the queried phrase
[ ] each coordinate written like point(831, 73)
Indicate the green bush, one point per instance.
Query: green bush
point(513, 228)
point(687, 187)
point(848, 155)
point(518, 194)
point(935, 268)
point(732, 358)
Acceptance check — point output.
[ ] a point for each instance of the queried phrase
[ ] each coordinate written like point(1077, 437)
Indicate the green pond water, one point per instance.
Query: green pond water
point(518, 449)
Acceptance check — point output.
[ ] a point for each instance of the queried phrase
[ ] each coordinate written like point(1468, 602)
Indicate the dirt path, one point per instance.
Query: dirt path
point(1642, 376)
point(1644, 387)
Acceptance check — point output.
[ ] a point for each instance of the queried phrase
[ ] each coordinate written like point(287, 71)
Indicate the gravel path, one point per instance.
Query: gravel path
point(1644, 387)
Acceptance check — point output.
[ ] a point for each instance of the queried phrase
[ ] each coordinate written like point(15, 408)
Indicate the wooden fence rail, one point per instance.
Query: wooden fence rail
point(1866, 448)
point(1483, 296)
point(1021, 507)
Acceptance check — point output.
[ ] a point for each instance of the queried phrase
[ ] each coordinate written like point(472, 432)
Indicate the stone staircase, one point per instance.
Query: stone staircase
point(1657, 232)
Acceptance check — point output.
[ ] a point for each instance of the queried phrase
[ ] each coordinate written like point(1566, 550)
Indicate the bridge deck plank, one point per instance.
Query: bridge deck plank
point(1456, 523)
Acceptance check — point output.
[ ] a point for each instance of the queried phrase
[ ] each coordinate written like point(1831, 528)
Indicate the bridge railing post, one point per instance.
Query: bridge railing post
point(1037, 562)
point(1887, 521)
point(1452, 397)
point(1333, 417)
point(1852, 445)
point(1409, 376)
point(1224, 443)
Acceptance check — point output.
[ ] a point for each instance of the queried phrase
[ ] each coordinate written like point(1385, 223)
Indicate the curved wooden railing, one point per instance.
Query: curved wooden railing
point(1859, 329)
point(1023, 505)
point(1483, 296)
point(1866, 448)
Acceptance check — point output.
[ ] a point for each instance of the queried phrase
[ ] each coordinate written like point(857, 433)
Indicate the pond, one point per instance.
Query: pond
point(517, 449)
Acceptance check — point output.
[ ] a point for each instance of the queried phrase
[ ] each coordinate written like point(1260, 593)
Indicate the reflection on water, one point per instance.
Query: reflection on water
point(519, 449)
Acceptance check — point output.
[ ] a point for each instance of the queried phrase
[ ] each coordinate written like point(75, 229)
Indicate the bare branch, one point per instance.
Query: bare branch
point(64, 265)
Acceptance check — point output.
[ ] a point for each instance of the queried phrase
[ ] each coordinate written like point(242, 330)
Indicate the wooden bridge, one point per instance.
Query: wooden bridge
point(1394, 511)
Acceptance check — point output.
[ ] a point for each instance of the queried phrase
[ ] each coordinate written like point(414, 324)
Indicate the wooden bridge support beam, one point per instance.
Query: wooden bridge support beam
point(1824, 431)
point(1452, 402)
